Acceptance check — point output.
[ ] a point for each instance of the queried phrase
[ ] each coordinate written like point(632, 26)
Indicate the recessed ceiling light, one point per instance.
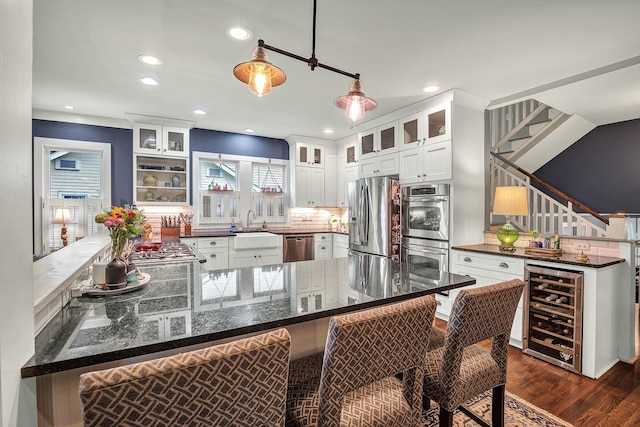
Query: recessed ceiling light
point(149, 81)
point(199, 111)
point(431, 88)
point(149, 59)
point(69, 107)
point(239, 33)
point(327, 131)
point(249, 130)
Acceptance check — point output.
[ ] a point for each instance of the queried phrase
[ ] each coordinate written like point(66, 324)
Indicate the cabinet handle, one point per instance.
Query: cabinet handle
point(212, 243)
point(438, 302)
point(213, 255)
point(467, 259)
point(504, 265)
point(259, 256)
point(255, 256)
point(418, 175)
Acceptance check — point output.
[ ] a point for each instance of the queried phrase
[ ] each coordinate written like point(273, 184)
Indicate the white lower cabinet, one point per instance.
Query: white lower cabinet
point(340, 245)
point(323, 245)
point(487, 270)
point(214, 249)
point(253, 255)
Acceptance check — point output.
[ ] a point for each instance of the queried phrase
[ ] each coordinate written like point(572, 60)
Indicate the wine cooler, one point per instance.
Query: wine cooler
point(553, 316)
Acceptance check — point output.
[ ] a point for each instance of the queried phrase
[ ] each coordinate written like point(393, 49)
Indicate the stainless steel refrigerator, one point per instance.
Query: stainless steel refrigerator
point(374, 216)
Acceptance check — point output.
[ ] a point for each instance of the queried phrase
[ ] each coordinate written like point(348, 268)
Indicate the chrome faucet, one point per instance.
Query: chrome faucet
point(248, 214)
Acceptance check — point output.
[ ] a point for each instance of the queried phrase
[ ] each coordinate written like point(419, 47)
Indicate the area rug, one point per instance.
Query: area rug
point(517, 412)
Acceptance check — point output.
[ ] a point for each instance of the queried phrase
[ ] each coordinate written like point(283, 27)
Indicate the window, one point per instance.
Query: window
point(69, 174)
point(222, 178)
point(269, 198)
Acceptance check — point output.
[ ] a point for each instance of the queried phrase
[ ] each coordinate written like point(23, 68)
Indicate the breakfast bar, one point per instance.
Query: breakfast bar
point(184, 306)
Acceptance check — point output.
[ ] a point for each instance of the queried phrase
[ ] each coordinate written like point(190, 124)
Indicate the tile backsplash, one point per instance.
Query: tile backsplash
point(568, 245)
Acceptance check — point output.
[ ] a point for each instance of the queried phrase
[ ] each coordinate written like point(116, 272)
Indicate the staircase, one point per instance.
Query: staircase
point(515, 130)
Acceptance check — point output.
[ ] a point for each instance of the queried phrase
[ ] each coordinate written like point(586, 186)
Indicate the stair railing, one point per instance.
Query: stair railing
point(548, 215)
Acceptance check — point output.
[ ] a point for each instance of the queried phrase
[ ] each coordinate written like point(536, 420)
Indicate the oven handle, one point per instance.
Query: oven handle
point(435, 199)
point(426, 251)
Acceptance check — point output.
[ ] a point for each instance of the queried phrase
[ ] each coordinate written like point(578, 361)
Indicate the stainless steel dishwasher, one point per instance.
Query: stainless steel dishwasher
point(298, 247)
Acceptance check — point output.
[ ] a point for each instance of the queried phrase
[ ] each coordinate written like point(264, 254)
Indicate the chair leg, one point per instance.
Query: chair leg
point(446, 418)
point(426, 402)
point(497, 406)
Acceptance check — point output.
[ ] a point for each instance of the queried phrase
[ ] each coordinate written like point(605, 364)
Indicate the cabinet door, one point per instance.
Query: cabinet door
point(315, 185)
point(216, 259)
point(175, 141)
point(147, 139)
point(436, 162)
point(366, 141)
point(177, 324)
point(410, 128)
point(410, 166)
point(350, 174)
point(351, 152)
point(368, 166)
point(303, 178)
point(387, 138)
point(269, 258)
point(330, 180)
point(243, 259)
point(388, 164)
point(437, 124)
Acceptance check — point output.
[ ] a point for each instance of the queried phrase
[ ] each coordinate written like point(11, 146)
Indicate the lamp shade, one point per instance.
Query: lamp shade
point(259, 74)
point(62, 216)
point(511, 201)
point(355, 103)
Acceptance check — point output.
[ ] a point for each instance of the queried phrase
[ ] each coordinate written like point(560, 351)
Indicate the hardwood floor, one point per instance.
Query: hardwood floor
point(611, 400)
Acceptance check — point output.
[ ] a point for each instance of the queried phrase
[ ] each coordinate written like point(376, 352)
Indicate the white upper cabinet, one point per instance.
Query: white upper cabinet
point(381, 140)
point(427, 127)
point(426, 163)
point(309, 155)
point(160, 140)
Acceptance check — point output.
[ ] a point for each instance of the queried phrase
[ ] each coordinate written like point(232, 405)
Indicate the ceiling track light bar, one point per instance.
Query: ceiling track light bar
point(260, 76)
point(311, 62)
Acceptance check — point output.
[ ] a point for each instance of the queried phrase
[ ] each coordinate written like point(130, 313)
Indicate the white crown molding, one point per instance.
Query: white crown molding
point(58, 116)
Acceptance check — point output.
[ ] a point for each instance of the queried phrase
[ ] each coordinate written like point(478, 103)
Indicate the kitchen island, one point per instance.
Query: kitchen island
point(184, 307)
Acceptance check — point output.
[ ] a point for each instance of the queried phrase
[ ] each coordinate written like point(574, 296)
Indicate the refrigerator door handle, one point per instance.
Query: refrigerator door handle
point(366, 205)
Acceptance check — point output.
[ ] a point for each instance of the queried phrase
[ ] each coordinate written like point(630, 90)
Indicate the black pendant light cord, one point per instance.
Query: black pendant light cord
point(313, 61)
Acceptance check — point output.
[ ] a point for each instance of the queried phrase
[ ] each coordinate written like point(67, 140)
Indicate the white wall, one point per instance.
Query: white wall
point(17, 396)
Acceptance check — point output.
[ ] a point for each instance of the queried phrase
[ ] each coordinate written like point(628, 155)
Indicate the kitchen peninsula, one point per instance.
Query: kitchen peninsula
point(185, 306)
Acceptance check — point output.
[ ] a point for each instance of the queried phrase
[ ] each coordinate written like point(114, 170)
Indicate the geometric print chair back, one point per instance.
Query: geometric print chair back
point(241, 383)
point(369, 345)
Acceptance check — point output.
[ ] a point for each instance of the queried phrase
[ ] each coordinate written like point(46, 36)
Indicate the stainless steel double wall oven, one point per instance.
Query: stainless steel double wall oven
point(425, 228)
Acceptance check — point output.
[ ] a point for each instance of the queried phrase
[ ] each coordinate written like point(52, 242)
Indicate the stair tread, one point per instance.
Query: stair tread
point(516, 138)
point(537, 122)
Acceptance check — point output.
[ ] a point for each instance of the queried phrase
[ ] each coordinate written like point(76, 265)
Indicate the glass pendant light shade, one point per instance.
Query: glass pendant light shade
point(354, 103)
point(259, 74)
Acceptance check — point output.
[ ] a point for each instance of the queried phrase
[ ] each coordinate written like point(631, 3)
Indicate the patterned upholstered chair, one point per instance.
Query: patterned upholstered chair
point(461, 370)
point(242, 383)
point(436, 338)
point(353, 382)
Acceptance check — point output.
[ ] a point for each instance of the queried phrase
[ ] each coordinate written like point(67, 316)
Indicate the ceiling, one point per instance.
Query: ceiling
point(579, 56)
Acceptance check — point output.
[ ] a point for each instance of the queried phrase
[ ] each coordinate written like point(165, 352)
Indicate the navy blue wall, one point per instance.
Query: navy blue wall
point(121, 141)
point(601, 169)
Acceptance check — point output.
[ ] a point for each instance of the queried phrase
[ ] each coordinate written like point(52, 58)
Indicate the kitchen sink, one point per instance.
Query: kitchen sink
point(259, 239)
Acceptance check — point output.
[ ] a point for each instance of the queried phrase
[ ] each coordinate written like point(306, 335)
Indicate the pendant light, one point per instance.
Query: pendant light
point(354, 103)
point(260, 75)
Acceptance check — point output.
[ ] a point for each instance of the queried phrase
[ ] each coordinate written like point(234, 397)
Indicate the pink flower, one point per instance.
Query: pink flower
point(108, 223)
point(119, 221)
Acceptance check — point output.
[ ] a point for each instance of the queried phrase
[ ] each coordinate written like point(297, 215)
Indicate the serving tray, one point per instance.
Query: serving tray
point(143, 279)
point(543, 252)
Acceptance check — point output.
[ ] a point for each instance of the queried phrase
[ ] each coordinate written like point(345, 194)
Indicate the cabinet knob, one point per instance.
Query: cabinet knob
point(504, 265)
point(467, 259)
point(213, 255)
point(419, 175)
point(438, 302)
point(213, 243)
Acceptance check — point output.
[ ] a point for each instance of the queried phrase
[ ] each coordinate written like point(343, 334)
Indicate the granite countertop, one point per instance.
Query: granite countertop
point(183, 305)
point(566, 258)
point(275, 230)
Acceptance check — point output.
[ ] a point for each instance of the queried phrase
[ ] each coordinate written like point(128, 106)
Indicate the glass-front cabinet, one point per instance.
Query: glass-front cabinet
point(427, 127)
point(160, 140)
point(381, 140)
point(309, 155)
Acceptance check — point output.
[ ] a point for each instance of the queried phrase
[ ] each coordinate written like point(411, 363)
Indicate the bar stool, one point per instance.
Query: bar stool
point(241, 383)
point(461, 370)
point(353, 382)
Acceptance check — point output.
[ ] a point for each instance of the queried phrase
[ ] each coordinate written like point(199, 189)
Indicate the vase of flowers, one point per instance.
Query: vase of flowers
point(122, 223)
